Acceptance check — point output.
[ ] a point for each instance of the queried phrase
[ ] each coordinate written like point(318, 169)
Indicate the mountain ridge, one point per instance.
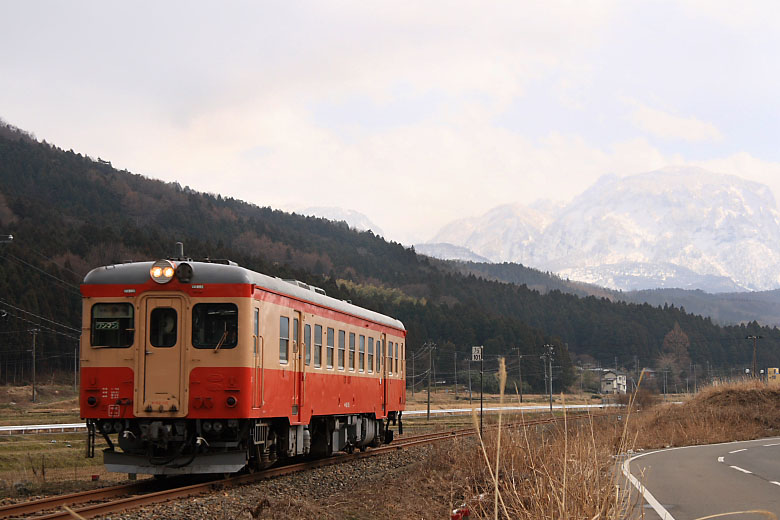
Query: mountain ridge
point(710, 231)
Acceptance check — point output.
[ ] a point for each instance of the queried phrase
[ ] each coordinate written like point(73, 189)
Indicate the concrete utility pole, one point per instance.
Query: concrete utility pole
point(754, 338)
point(34, 332)
point(455, 355)
point(431, 348)
point(520, 372)
point(549, 356)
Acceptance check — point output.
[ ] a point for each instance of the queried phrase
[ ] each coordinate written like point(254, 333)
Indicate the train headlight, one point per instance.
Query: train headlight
point(162, 271)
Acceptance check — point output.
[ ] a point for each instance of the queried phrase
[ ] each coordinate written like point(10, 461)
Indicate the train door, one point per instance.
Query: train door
point(162, 366)
point(257, 361)
point(384, 373)
point(298, 366)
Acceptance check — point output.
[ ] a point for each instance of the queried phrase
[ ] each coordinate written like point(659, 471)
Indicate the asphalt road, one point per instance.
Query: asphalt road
point(700, 481)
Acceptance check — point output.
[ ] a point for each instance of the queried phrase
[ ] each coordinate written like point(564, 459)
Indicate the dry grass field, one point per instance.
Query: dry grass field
point(558, 471)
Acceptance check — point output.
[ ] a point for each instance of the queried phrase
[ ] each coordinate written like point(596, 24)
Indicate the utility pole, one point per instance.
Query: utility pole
point(34, 332)
point(549, 356)
point(695, 385)
point(430, 364)
point(455, 355)
point(520, 372)
point(754, 338)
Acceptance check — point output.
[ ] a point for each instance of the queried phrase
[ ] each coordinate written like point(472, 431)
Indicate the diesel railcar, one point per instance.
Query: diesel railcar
point(208, 367)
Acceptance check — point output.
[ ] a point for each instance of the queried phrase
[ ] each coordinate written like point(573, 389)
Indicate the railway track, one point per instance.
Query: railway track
point(128, 496)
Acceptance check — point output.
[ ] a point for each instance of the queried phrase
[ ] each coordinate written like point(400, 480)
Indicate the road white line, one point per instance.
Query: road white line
point(775, 483)
point(649, 498)
point(720, 459)
point(737, 451)
point(773, 444)
point(742, 470)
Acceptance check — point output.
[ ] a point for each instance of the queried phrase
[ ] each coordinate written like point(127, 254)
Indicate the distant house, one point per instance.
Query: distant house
point(613, 382)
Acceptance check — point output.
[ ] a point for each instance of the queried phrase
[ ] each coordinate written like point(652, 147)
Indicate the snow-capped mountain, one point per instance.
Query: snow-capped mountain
point(449, 252)
point(354, 219)
point(675, 227)
point(503, 234)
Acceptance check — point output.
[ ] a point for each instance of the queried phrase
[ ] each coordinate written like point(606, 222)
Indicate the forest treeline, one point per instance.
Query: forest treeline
point(69, 213)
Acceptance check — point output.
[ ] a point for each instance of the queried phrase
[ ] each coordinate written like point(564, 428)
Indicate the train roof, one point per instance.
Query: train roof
point(210, 273)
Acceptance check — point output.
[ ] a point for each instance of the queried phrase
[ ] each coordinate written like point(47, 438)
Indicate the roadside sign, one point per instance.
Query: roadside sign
point(476, 353)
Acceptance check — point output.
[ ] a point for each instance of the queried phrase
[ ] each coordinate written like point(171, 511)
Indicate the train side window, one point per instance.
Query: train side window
point(331, 339)
point(362, 353)
point(396, 358)
point(113, 325)
point(284, 338)
point(370, 354)
point(352, 351)
point(296, 343)
point(342, 341)
point(307, 342)
point(163, 327)
point(390, 357)
point(318, 346)
point(215, 324)
point(379, 354)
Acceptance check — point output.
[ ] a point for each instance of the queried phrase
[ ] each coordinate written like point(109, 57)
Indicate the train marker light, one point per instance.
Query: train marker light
point(162, 271)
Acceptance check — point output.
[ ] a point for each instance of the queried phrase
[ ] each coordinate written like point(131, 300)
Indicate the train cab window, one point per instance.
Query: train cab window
point(331, 339)
point(318, 345)
point(342, 342)
point(370, 354)
point(113, 325)
point(307, 343)
point(215, 325)
point(352, 351)
point(362, 353)
point(284, 338)
point(163, 327)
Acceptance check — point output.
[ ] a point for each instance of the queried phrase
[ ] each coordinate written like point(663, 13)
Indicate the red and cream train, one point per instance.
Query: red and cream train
point(207, 367)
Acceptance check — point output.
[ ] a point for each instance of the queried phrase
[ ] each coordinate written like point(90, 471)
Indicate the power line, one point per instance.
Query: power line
point(75, 289)
point(4, 302)
point(44, 328)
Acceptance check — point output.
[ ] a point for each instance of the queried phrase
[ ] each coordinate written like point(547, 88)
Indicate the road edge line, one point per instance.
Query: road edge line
point(646, 495)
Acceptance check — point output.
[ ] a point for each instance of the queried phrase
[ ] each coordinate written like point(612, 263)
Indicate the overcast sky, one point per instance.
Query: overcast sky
point(412, 113)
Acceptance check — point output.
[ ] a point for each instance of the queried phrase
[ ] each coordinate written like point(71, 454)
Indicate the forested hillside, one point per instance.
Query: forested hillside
point(69, 213)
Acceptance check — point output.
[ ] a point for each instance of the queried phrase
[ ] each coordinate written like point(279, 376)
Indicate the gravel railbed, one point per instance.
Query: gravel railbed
point(305, 493)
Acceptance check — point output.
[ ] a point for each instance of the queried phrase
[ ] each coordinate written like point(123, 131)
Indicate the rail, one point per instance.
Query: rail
point(150, 495)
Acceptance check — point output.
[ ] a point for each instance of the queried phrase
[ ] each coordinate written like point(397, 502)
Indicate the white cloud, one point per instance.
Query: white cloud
point(669, 126)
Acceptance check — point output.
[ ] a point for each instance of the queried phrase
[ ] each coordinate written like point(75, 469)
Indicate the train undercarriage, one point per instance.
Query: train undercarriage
point(170, 446)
